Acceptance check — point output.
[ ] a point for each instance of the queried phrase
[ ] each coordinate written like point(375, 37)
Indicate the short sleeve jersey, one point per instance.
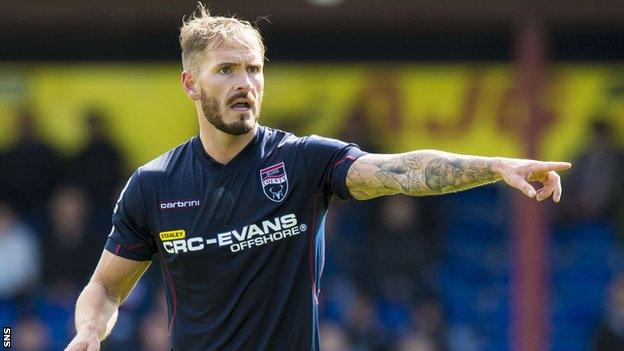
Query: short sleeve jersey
point(241, 246)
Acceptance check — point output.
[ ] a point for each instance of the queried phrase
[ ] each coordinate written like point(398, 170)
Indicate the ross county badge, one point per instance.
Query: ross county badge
point(274, 182)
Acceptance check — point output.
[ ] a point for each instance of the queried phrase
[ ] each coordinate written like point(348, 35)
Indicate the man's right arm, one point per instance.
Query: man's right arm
point(96, 309)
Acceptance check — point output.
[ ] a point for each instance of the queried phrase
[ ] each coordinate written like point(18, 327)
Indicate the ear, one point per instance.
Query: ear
point(189, 85)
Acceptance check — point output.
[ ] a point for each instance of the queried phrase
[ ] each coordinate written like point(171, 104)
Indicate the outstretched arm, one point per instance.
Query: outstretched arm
point(431, 172)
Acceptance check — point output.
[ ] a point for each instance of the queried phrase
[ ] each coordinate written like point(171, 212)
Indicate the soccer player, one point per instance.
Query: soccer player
point(235, 215)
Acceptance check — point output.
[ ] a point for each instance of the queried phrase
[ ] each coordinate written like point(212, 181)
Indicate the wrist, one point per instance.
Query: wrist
point(88, 329)
point(497, 165)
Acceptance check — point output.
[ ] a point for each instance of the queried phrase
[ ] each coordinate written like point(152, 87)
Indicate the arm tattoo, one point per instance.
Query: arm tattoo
point(417, 173)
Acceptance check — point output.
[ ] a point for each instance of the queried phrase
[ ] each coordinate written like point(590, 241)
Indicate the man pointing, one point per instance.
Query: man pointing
point(235, 215)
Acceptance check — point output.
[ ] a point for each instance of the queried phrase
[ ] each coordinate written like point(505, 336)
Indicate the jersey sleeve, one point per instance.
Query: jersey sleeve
point(327, 161)
point(130, 236)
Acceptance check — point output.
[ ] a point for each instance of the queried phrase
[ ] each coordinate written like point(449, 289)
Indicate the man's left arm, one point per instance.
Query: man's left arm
point(432, 172)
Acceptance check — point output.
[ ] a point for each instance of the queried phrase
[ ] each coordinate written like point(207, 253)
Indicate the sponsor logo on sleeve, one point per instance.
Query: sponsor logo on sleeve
point(274, 182)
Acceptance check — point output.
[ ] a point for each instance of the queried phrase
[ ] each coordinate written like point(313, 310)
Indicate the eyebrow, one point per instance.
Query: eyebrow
point(237, 64)
point(228, 64)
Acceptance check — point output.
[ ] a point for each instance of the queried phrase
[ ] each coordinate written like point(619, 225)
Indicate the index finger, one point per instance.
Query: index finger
point(542, 167)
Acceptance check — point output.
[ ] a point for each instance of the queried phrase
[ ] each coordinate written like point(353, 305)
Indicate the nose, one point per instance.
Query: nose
point(243, 83)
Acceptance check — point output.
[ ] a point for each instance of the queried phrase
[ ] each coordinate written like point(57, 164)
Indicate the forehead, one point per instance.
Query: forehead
point(228, 53)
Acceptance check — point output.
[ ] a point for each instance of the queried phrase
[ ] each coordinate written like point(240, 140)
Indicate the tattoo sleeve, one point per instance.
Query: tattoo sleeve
point(426, 172)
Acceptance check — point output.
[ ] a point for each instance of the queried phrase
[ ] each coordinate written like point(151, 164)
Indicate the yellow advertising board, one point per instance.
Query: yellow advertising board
point(389, 107)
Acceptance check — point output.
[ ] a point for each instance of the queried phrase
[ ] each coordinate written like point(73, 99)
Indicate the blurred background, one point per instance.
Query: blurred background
point(90, 90)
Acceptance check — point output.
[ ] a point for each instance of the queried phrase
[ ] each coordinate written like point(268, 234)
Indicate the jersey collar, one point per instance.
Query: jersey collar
point(238, 161)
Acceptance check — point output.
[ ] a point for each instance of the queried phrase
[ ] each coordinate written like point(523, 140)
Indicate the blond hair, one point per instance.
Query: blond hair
point(202, 32)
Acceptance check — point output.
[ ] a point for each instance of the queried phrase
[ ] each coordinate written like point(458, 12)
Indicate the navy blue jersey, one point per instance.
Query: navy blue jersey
point(241, 246)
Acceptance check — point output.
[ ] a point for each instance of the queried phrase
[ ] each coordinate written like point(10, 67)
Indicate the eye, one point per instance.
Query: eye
point(253, 69)
point(225, 70)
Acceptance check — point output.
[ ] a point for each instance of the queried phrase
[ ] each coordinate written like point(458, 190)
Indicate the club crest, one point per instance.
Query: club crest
point(274, 182)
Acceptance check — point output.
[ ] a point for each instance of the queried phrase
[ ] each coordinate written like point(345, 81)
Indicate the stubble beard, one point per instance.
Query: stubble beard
point(210, 108)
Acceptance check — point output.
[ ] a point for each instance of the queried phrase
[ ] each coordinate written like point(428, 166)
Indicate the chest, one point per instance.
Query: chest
point(203, 212)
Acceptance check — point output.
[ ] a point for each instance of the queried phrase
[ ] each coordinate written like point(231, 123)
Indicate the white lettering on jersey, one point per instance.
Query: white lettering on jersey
point(249, 236)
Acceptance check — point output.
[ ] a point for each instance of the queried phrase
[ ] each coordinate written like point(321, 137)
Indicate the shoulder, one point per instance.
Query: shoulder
point(315, 144)
point(282, 138)
point(317, 139)
point(278, 138)
point(166, 163)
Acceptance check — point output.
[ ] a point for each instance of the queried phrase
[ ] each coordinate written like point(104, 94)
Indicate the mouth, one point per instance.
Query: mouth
point(241, 106)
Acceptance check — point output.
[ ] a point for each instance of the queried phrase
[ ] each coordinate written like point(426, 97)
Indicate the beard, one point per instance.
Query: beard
point(212, 113)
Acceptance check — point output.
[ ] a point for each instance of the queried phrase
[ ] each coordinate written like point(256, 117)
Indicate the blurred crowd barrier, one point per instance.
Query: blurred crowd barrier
point(407, 274)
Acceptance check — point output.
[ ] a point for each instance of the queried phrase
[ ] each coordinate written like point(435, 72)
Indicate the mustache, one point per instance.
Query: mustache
point(240, 96)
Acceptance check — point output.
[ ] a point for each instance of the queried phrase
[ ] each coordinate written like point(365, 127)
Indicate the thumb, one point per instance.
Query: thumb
point(522, 185)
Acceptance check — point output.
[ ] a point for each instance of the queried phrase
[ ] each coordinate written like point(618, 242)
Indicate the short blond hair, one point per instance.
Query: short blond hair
point(202, 32)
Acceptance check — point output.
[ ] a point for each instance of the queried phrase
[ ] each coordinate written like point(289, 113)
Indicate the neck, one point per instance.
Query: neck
point(223, 147)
